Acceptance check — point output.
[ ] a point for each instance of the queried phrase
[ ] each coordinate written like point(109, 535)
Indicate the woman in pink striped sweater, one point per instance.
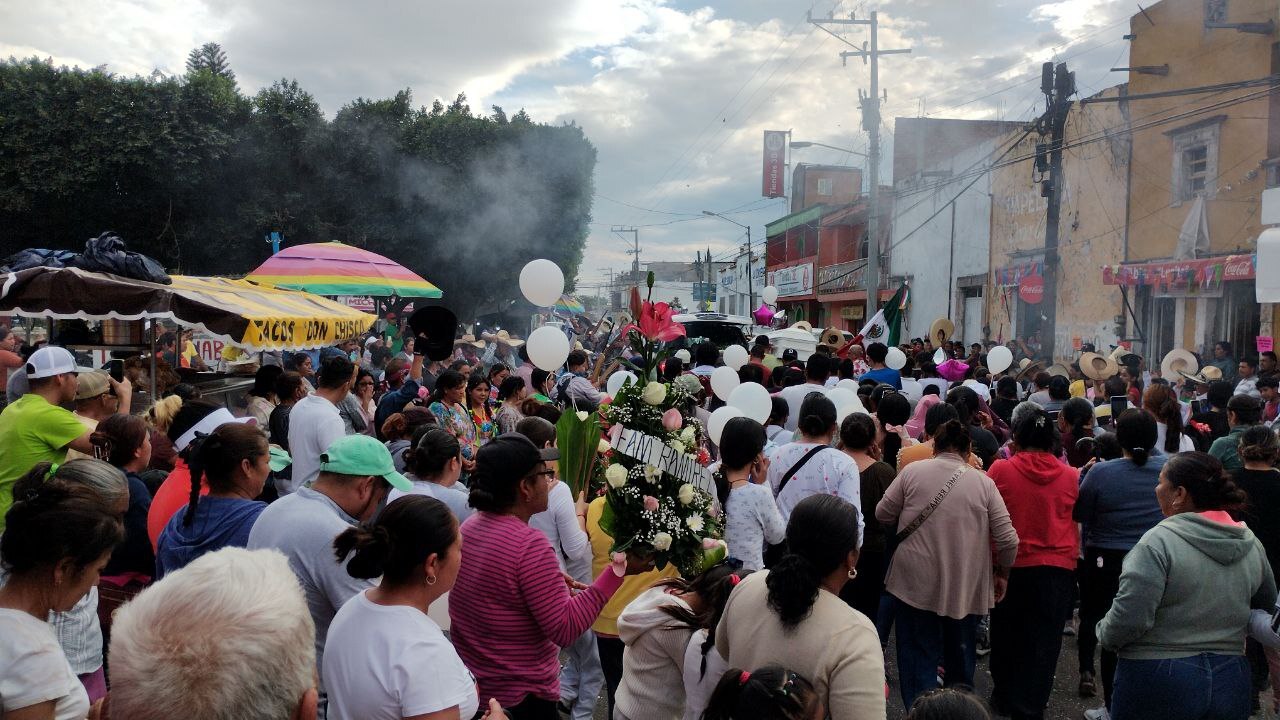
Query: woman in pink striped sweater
point(511, 609)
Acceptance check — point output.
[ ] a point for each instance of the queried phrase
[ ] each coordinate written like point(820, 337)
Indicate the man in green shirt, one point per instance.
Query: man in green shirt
point(35, 428)
point(1243, 412)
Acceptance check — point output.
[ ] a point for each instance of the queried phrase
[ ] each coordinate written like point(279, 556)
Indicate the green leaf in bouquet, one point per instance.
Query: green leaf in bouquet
point(578, 441)
point(607, 518)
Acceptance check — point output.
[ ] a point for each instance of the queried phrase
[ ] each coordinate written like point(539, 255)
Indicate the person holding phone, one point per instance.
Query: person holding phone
point(1115, 507)
point(98, 397)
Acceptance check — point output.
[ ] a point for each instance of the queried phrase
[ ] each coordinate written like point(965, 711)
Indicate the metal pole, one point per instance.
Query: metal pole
point(871, 119)
point(751, 289)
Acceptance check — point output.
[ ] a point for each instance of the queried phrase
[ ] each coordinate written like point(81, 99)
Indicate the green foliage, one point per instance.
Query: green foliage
point(578, 441)
point(189, 170)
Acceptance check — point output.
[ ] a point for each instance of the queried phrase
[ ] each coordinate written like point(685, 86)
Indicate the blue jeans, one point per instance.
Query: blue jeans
point(927, 640)
point(1200, 687)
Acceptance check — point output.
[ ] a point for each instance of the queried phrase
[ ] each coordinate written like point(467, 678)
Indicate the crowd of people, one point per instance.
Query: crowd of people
point(376, 534)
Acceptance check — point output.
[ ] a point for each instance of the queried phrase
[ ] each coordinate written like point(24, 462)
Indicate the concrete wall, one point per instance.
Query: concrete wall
point(1090, 235)
point(927, 249)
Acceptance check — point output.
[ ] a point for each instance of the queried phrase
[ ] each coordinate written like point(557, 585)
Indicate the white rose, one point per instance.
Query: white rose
point(661, 542)
point(687, 435)
point(694, 522)
point(616, 475)
point(677, 446)
point(654, 393)
point(603, 447)
point(582, 415)
point(685, 494)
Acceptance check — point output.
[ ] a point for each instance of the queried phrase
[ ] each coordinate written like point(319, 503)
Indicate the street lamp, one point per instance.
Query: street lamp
point(751, 292)
point(800, 145)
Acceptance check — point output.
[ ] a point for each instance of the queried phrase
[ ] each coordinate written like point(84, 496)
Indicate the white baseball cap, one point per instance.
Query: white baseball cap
point(49, 361)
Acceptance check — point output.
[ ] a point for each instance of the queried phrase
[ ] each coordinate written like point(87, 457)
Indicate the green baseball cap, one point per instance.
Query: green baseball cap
point(279, 458)
point(362, 455)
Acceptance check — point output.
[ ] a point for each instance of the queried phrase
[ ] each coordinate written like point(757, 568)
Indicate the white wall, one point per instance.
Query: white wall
point(732, 290)
point(927, 254)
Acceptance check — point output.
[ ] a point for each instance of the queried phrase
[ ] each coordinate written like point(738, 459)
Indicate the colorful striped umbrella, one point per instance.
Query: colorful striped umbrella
point(335, 268)
point(570, 304)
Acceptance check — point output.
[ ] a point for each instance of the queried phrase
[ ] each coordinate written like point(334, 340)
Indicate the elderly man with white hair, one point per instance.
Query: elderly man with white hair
point(227, 636)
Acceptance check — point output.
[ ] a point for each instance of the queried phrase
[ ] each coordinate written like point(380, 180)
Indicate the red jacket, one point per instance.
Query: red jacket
point(1040, 491)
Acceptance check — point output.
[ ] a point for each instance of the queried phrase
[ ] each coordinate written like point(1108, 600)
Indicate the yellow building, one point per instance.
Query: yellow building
point(1199, 165)
point(1095, 168)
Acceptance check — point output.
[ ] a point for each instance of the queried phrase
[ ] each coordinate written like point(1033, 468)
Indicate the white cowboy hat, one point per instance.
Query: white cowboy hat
point(1179, 362)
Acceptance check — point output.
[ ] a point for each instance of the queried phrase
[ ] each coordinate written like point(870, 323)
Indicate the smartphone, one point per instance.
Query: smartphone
point(116, 368)
point(1119, 403)
point(1196, 407)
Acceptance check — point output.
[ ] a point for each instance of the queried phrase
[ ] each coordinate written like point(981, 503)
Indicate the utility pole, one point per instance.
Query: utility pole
point(870, 103)
point(1058, 85)
point(706, 297)
point(635, 251)
point(751, 289)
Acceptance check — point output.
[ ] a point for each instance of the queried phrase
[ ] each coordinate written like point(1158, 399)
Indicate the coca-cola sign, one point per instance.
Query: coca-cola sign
point(1031, 289)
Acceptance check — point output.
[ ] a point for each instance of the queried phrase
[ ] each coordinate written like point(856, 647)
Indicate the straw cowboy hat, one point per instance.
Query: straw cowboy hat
point(941, 330)
point(1125, 356)
point(803, 325)
point(1178, 362)
point(1097, 367)
point(832, 337)
point(1207, 375)
point(469, 339)
point(1059, 369)
point(1028, 367)
point(505, 338)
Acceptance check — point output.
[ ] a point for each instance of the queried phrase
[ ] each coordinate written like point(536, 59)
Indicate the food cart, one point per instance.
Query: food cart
point(122, 317)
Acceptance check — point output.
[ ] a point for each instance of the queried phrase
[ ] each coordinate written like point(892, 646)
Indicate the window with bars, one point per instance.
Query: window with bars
point(1195, 171)
point(824, 186)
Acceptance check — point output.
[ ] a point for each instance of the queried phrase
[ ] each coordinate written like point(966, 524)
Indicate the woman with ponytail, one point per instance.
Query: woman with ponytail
point(1186, 591)
point(125, 442)
point(770, 693)
point(792, 614)
point(752, 520)
point(59, 534)
point(893, 411)
point(385, 658)
point(233, 463)
point(1160, 401)
point(955, 547)
point(433, 465)
point(1039, 492)
point(1116, 507)
point(1075, 421)
point(703, 665)
point(656, 628)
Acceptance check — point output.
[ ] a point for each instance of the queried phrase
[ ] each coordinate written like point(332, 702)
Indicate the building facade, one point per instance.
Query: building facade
point(1200, 163)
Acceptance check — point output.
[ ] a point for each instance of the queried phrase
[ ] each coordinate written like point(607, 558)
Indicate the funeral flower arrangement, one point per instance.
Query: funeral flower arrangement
point(651, 504)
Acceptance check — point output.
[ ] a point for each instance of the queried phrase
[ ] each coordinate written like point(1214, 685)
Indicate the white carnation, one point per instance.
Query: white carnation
point(662, 542)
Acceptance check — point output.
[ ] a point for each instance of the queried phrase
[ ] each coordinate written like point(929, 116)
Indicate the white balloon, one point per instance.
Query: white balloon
point(547, 347)
point(912, 389)
point(684, 356)
point(939, 357)
point(723, 381)
point(618, 379)
point(895, 359)
point(735, 356)
point(841, 396)
point(999, 358)
point(769, 295)
point(718, 419)
point(844, 411)
point(542, 282)
point(848, 384)
point(753, 400)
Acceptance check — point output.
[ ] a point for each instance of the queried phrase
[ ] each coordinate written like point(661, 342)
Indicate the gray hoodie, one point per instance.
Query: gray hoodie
point(1187, 588)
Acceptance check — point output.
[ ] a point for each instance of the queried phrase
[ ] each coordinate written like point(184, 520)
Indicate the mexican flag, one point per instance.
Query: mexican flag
point(885, 325)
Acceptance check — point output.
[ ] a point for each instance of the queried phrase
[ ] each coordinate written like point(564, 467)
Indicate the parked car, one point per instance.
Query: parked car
point(723, 330)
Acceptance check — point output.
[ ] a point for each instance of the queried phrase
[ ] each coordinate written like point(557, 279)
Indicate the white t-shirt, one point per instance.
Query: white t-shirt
point(830, 472)
point(33, 669)
point(794, 396)
point(559, 522)
point(387, 662)
point(698, 686)
point(1185, 444)
point(751, 520)
point(454, 496)
point(314, 423)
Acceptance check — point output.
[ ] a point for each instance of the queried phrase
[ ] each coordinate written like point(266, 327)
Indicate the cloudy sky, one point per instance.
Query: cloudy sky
point(674, 94)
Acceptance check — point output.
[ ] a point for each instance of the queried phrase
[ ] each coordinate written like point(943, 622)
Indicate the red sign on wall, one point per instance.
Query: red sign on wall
point(1031, 289)
point(775, 153)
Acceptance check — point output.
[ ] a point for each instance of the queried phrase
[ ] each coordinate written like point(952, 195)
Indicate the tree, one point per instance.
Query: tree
point(192, 172)
point(210, 57)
